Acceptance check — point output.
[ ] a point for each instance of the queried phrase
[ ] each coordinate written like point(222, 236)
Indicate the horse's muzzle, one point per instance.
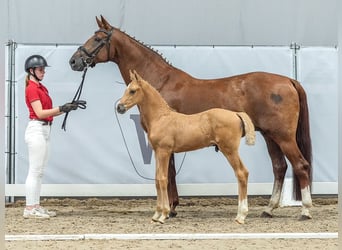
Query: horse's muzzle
point(121, 108)
point(77, 63)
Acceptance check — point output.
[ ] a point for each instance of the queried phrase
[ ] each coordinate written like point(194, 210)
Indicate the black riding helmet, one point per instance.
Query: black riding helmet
point(35, 61)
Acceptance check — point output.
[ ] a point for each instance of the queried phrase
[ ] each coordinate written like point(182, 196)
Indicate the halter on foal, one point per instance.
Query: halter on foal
point(171, 132)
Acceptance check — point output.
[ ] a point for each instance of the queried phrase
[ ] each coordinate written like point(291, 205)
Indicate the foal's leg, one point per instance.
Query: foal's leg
point(241, 174)
point(158, 211)
point(279, 171)
point(172, 187)
point(163, 207)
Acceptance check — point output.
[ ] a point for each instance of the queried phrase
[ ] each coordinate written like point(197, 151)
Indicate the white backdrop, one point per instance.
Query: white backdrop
point(178, 22)
point(92, 150)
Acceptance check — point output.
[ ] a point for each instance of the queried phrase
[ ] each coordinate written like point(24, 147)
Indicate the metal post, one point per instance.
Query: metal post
point(295, 47)
point(10, 115)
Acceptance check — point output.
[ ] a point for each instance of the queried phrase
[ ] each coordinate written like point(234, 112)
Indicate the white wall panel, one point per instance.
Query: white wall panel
point(318, 74)
point(92, 149)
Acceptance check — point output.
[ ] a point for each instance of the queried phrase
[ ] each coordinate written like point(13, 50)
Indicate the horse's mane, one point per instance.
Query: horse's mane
point(149, 47)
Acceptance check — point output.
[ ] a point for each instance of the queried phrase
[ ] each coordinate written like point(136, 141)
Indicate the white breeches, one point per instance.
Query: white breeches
point(37, 137)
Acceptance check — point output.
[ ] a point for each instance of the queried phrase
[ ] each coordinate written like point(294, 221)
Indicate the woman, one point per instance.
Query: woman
point(37, 134)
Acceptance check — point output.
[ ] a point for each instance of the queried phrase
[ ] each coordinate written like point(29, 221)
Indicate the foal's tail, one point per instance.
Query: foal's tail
point(303, 136)
point(248, 127)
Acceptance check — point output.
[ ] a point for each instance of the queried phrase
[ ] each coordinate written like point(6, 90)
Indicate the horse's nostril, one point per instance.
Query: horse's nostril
point(76, 63)
point(121, 109)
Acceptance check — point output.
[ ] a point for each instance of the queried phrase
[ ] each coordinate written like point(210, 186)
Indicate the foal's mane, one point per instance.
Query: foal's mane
point(149, 47)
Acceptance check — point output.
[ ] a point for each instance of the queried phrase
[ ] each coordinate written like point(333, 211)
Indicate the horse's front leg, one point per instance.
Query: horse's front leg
point(163, 207)
point(158, 212)
point(279, 171)
point(172, 187)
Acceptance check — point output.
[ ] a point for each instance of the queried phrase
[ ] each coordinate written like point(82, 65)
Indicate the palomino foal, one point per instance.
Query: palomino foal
point(171, 132)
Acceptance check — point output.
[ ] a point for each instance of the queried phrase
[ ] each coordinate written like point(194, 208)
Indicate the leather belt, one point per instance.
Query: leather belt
point(44, 122)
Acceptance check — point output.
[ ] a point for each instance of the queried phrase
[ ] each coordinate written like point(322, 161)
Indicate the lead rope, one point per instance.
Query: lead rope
point(76, 98)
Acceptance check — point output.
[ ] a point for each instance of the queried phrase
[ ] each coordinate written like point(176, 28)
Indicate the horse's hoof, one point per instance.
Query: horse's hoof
point(266, 215)
point(305, 217)
point(155, 217)
point(172, 214)
point(154, 220)
point(163, 218)
point(239, 221)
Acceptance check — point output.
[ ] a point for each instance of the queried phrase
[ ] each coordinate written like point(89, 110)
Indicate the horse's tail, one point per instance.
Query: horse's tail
point(248, 128)
point(303, 137)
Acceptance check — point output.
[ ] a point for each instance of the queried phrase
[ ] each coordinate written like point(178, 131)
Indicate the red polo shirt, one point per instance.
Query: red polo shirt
point(35, 92)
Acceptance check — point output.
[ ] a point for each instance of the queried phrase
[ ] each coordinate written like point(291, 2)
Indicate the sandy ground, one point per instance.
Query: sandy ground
point(195, 215)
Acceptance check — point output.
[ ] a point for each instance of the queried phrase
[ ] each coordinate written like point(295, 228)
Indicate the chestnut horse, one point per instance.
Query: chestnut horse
point(172, 132)
point(276, 104)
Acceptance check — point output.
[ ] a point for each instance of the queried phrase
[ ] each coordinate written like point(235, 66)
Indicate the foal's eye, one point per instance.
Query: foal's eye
point(132, 92)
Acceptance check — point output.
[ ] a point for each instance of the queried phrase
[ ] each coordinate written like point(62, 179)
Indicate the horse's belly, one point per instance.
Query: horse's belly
point(191, 140)
point(180, 142)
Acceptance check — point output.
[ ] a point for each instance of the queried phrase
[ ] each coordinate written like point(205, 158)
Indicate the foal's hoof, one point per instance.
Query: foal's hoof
point(239, 221)
point(305, 217)
point(266, 215)
point(156, 221)
point(160, 220)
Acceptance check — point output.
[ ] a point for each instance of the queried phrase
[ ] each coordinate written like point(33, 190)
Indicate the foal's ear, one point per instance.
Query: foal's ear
point(138, 77)
point(132, 76)
point(99, 23)
point(105, 24)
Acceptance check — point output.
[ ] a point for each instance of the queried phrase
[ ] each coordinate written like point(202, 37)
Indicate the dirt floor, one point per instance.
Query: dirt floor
point(195, 215)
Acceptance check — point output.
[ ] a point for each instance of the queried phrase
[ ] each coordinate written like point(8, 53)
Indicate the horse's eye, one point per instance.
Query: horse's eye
point(97, 39)
point(132, 92)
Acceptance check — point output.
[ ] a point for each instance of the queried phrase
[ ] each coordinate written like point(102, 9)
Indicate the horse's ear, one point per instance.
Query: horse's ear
point(105, 24)
point(99, 23)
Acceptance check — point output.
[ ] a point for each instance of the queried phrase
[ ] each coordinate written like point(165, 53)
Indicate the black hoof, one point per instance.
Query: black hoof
point(172, 214)
point(304, 217)
point(266, 215)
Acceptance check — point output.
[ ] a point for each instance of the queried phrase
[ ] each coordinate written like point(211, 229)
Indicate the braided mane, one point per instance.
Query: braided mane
point(149, 47)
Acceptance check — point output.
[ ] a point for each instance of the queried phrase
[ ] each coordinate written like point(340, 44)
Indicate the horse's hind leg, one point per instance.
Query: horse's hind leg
point(172, 187)
point(241, 174)
point(301, 169)
point(279, 170)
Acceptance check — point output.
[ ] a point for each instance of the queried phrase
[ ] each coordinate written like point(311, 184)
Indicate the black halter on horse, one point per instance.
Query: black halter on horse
point(101, 42)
